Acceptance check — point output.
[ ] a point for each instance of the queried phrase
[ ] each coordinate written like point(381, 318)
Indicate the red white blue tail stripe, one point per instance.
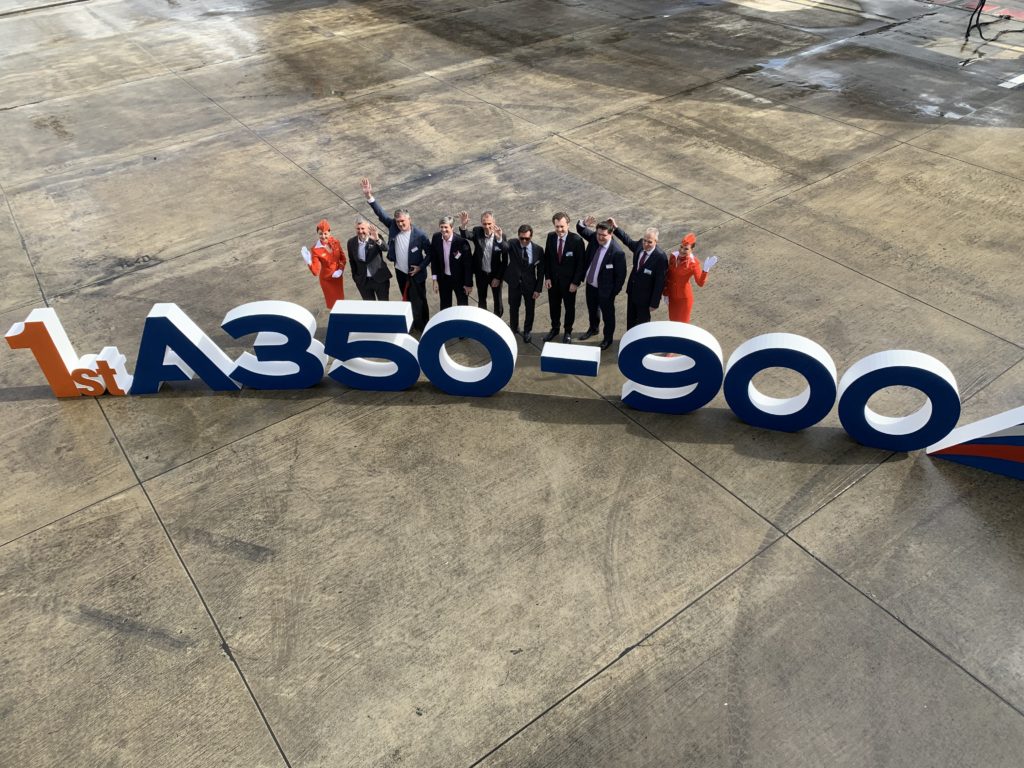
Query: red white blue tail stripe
point(995, 444)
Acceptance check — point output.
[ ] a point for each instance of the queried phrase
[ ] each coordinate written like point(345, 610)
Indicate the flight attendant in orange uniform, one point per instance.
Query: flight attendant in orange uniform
point(327, 261)
point(682, 265)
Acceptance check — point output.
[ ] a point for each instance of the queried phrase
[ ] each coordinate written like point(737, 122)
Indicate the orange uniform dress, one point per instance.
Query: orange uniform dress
point(677, 285)
point(328, 258)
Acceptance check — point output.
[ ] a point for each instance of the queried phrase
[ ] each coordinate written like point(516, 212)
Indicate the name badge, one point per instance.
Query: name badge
point(413, 250)
point(567, 255)
point(647, 271)
point(608, 266)
point(458, 256)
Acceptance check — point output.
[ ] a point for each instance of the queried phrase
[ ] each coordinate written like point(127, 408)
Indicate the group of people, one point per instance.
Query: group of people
point(482, 256)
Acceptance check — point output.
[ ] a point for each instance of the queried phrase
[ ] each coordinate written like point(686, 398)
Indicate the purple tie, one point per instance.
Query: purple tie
point(592, 276)
point(643, 258)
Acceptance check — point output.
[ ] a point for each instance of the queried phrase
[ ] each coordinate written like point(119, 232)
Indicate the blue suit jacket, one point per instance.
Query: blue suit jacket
point(419, 244)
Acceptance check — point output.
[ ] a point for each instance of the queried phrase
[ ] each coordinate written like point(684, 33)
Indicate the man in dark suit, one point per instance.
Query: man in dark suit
point(605, 273)
point(647, 280)
point(525, 276)
point(490, 255)
point(408, 248)
point(366, 258)
point(563, 273)
point(451, 264)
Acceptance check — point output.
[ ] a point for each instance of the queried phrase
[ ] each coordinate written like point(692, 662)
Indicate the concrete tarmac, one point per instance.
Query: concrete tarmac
point(545, 577)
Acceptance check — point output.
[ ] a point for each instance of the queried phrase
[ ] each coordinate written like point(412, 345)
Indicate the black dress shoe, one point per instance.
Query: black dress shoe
point(527, 337)
point(590, 332)
point(606, 343)
point(515, 331)
point(567, 339)
point(550, 336)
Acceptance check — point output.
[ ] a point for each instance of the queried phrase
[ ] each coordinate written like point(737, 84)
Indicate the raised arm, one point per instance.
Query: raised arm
point(699, 275)
point(367, 188)
point(586, 228)
point(628, 241)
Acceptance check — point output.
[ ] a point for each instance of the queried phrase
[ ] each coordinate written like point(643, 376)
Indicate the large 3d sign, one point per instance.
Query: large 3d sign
point(670, 368)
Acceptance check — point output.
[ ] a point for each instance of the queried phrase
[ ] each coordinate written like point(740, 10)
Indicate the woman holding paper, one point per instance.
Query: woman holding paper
point(682, 265)
point(327, 261)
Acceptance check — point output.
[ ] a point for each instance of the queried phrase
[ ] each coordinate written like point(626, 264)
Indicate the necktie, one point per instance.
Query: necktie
point(362, 257)
point(592, 275)
point(561, 245)
point(643, 258)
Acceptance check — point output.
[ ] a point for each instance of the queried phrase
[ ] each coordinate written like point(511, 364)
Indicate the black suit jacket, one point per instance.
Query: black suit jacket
point(645, 287)
point(573, 254)
point(499, 253)
point(374, 260)
point(419, 244)
point(529, 278)
point(612, 273)
point(459, 258)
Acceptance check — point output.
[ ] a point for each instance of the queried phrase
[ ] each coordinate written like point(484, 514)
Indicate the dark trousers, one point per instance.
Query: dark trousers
point(636, 314)
point(374, 291)
point(417, 296)
point(515, 294)
point(559, 295)
point(446, 286)
point(483, 285)
point(606, 306)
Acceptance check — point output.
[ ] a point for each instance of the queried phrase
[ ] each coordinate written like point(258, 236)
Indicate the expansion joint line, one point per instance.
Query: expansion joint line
point(625, 652)
point(224, 646)
point(24, 245)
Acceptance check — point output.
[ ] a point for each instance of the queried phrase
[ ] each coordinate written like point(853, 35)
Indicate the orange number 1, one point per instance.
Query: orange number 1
point(43, 333)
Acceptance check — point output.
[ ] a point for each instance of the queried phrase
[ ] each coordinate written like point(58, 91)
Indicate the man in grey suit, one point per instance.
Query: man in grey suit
point(366, 253)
